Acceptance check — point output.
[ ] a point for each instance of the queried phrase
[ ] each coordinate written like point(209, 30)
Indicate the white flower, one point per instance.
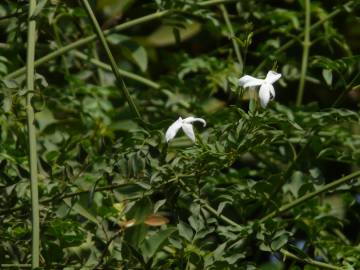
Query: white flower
point(267, 91)
point(186, 125)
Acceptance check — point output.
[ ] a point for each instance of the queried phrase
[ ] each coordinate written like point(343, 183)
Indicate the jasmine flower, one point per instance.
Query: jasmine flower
point(186, 125)
point(266, 92)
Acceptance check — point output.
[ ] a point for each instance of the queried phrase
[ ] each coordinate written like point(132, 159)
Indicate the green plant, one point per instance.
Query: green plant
point(274, 186)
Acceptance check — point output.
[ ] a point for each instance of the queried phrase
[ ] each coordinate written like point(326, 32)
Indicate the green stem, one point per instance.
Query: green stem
point(119, 80)
point(349, 87)
point(30, 72)
point(121, 71)
point(120, 27)
point(309, 261)
point(88, 39)
point(232, 36)
point(18, 266)
point(5, 46)
point(305, 56)
point(293, 41)
point(61, 196)
point(59, 44)
point(100, 72)
point(215, 2)
point(311, 195)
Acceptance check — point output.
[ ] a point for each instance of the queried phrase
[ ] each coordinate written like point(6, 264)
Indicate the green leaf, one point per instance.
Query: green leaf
point(40, 5)
point(81, 211)
point(130, 48)
point(141, 210)
point(279, 242)
point(152, 244)
point(185, 231)
point(140, 57)
point(219, 252)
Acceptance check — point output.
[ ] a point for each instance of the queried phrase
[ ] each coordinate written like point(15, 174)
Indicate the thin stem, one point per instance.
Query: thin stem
point(215, 2)
point(293, 41)
point(59, 44)
point(309, 261)
point(232, 37)
point(15, 265)
point(349, 87)
point(61, 196)
point(311, 195)
point(120, 27)
point(305, 57)
point(121, 71)
point(13, 15)
point(119, 80)
point(5, 46)
point(30, 72)
point(87, 40)
point(100, 72)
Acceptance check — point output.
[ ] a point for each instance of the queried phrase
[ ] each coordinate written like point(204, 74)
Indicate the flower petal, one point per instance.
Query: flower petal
point(189, 131)
point(173, 129)
point(249, 81)
point(191, 119)
point(272, 92)
point(264, 94)
point(272, 77)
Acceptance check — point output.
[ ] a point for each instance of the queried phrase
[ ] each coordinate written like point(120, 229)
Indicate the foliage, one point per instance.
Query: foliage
point(113, 194)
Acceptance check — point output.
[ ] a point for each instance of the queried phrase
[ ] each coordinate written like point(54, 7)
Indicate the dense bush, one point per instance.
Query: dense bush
point(262, 187)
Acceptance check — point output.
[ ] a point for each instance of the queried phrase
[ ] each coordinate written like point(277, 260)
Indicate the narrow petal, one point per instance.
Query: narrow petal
point(264, 94)
point(191, 119)
point(189, 131)
point(272, 77)
point(249, 81)
point(173, 129)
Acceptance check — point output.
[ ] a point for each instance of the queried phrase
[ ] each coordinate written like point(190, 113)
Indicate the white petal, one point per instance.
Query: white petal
point(264, 94)
point(173, 129)
point(249, 81)
point(189, 131)
point(272, 77)
point(272, 92)
point(191, 119)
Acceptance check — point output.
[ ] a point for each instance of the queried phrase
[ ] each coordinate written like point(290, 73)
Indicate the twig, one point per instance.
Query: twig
point(120, 27)
point(311, 195)
point(100, 72)
point(349, 87)
point(119, 80)
point(215, 2)
point(124, 73)
point(16, 14)
point(305, 57)
point(30, 72)
point(309, 261)
point(232, 37)
point(88, 39)
point(61, 196)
